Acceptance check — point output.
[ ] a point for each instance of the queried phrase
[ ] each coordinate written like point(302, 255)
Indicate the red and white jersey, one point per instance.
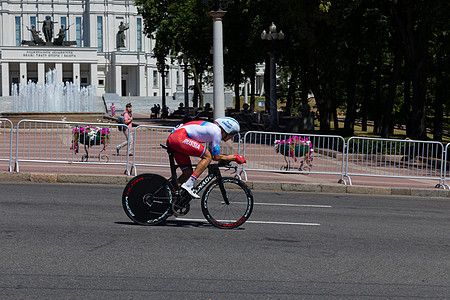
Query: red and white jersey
point(204, 132)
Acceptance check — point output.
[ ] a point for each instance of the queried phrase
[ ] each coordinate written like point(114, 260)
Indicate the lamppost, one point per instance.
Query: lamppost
point(272, 36)
point(182, 58)
point(164, 75)
point(217, 13)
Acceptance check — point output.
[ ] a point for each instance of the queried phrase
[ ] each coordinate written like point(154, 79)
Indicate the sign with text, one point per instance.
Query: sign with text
point(34, 54)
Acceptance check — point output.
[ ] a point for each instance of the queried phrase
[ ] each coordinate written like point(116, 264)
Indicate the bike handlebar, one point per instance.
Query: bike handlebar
point(227, 164)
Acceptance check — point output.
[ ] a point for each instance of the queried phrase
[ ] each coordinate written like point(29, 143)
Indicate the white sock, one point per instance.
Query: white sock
point(191, 180)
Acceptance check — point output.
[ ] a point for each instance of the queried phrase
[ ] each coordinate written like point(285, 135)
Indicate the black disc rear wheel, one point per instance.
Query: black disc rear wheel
point(147, 200)
point(227, 214)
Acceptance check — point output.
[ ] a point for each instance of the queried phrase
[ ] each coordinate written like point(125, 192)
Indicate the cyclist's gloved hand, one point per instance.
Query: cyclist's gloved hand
point(240, 159)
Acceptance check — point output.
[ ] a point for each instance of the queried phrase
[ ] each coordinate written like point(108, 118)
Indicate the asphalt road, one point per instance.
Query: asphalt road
point(75, 242)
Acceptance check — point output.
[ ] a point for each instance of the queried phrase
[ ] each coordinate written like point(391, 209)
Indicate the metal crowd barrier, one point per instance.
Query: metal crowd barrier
point(446, 167)
point(6, 141)
point(147, 151)
point(294, 153)
point(395, 158)
point(67, 142)
point(53, 142)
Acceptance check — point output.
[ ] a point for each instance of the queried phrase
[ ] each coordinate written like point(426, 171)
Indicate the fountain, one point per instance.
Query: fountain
point(53, 97)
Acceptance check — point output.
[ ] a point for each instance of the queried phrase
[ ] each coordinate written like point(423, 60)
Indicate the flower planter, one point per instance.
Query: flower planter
point(85, 140)
point(100, 137)
point(293, 151)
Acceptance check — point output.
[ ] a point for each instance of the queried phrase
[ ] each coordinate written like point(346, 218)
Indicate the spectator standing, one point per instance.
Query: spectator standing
point(154, 113)
point(128, 132)
point(158, 109)
point(113, 109)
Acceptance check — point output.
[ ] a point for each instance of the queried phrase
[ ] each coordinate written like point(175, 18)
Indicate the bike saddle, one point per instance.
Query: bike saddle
point(166, 147)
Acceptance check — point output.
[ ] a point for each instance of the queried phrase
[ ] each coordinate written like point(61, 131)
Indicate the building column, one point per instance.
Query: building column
point(41, 73)
point(149, 81)
point(118, 85)
point(23, 73)
point(141, 81)
point(76, 74)
point(94, 74)
point(59, 72)
point(5, 79)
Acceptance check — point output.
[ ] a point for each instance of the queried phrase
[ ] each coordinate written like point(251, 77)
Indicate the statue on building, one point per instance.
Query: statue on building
point(35, 34)
point(61, 35)
point(121, 35)
point(47, 29)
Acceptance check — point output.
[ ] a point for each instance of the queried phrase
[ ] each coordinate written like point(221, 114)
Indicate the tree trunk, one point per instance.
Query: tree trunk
point(197, 87)
point(438, 115)
point(366, 101)
point(350, 116)
point(195, 97)
point(414, 28)
point(291, 92)
point(378, 100)
point(305, 85)
point(388, 126)
point(237, 95)
point(407, 106)
point(335, 118)
point(321, 93)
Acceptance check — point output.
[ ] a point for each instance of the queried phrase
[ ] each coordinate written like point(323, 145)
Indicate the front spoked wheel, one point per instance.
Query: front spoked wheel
point(147, 199)
point(227, 206)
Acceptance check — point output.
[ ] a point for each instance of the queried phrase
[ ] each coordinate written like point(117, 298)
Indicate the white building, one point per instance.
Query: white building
point(95, 60)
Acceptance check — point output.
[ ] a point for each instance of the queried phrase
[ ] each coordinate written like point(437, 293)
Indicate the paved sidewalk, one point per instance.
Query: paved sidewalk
point(275, 181)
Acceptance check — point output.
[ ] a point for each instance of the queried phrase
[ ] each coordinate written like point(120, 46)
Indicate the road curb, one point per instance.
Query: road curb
point(7, 177)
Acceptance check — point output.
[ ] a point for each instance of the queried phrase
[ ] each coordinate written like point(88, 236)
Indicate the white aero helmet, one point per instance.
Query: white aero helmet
point(229, 125)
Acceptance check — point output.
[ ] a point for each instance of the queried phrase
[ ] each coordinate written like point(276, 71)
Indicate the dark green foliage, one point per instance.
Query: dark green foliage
point(386, 61)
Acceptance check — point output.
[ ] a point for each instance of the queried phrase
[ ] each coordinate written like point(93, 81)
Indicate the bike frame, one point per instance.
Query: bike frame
point(213, 172)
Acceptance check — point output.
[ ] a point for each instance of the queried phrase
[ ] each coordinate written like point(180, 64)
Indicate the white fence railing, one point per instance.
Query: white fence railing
point(394, 158)
point(69, 142)
point(446, 166)
point(56, 142)
point(147, 150)
point(6, 142)
point(294, 153)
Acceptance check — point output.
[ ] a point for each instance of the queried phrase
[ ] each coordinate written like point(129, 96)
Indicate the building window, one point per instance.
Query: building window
point(64, 23)
point(100, 33)
point(78, 28)
point(18, 32)
point(139, 34)
point(167, 79)
point(32, 23)
point(101, 82)
point(178, 78)
point(155, 79)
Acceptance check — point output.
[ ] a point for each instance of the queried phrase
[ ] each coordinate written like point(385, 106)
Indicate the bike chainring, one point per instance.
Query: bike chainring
point(180, 208)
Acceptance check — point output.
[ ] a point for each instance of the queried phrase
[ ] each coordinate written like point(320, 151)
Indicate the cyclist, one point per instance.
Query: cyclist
point(185, 141)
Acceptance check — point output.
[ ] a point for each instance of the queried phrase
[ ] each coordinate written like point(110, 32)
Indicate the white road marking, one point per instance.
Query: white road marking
point(255, 222)
point(295, 205)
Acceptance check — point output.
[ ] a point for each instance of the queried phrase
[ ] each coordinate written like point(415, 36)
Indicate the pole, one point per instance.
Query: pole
point(186, 93)
point(163, 86)
point(218, 73)
point(273, 93)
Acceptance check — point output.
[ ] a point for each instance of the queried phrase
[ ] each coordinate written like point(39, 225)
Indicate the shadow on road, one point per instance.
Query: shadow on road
point(173, 223)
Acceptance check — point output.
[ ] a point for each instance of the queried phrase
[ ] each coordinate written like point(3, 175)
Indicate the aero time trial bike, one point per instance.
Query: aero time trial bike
point(149, 199)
